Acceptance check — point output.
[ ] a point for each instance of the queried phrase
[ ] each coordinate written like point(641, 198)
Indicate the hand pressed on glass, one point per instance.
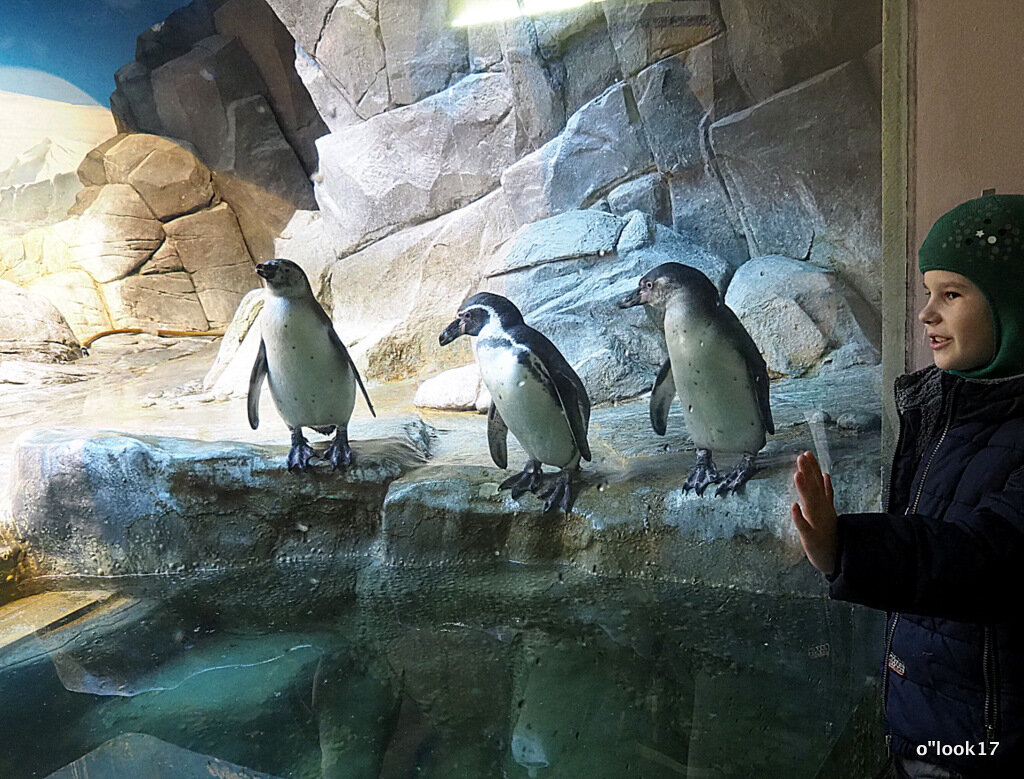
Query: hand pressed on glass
point(815, 513)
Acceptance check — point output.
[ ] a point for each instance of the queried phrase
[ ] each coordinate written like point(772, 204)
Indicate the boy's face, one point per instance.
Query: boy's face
point(958, 322)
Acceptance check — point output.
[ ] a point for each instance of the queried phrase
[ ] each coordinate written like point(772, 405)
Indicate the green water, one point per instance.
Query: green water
point(498, 671)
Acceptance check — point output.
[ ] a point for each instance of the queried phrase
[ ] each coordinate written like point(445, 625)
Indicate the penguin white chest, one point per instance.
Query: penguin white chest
point(713, 384)
point(526, 399)
point(310, 380)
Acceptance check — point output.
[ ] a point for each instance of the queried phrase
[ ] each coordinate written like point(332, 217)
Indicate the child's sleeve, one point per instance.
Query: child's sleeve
point(963, 569)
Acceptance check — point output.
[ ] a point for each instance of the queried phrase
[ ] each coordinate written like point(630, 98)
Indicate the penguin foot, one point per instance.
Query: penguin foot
point(738, 476)
point(339, 452)
point(559, 493)
point(703, 473)
point(301, 452)
point(528, 480)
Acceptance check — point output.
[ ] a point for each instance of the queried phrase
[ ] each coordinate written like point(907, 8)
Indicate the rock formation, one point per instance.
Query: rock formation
point(148, 243)
point(671, 109)
point(219, 74)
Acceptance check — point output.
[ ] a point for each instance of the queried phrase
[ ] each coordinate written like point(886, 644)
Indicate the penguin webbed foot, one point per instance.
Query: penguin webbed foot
point(703, 474)
point(300, 453)
point(733, 481)
point(527, 480)
point(339, 452)
point(559, 492)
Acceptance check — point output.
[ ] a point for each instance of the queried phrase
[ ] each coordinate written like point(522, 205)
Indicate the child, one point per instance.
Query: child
point(943, 560)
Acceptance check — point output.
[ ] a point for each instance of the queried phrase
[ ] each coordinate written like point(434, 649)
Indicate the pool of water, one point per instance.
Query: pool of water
point(376, 670)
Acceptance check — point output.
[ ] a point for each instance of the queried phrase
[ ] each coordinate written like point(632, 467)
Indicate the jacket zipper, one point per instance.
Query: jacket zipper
point(885, 673)
point(931, 457)
point(910, 510)
point(990, 673)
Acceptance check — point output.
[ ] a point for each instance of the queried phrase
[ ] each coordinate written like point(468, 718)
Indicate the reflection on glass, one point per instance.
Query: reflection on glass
point(169, 589)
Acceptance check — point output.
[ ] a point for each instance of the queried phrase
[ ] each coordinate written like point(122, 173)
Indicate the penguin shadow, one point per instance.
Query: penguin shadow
point(374, 453)
point(672, 467)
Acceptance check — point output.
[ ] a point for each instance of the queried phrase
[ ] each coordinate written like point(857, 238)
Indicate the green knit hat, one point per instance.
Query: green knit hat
point(983, 239)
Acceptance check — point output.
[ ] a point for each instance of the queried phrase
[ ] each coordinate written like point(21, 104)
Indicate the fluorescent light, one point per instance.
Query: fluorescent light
point(472, 12)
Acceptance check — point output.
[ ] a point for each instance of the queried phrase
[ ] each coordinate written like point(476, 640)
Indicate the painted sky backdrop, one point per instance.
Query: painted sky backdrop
point(44, 43)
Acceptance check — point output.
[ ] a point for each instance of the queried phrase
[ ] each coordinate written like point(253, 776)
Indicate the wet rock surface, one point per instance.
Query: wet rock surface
point(423, 488)
point(377, 637)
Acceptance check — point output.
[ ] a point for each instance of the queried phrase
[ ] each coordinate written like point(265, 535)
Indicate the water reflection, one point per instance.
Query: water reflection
point(486, 672)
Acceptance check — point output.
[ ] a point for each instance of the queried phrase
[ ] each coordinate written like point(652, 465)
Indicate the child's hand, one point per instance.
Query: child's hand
point(815, 514)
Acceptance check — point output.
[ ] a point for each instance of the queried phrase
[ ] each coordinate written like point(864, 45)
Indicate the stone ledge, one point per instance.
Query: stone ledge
point(85, 503)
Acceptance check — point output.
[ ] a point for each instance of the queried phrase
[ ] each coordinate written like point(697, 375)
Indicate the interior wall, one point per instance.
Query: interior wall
point(967, 113)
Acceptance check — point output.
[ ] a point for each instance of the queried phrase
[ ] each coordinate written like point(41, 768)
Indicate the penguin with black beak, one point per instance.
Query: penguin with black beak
point(714, 367)
point(312, 377)
point(535, 393)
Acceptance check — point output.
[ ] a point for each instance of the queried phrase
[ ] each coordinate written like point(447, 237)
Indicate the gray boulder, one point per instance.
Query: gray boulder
point(537, 85)
point(602, 145)
point(192, 94)
point(335, 110)
point(425, 54)
point(423, 273)
point(803, 170)
point(304, 19)
point(797, 313)
point(272, 50)
point(676, 97)
point(418, 162)
point(239, 48)
point(579, 40)
point(648, 193)
point(176, 34)
point(643, 33)
point(132, 102)
point(231, 369)
point(349, 48)
point(260, 152)
point(776, 44)
point(34, 329)
point(567, 272)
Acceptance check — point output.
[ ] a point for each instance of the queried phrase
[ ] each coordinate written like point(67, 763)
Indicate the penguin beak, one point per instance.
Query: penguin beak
point(450, 333)
point(632, 299)
point(266, 270)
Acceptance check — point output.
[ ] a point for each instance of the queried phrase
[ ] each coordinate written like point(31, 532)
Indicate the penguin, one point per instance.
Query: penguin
point(312, 377)
point(713, 366)
point(535, 393)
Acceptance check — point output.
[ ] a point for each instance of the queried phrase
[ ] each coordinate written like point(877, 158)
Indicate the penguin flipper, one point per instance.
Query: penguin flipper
point(761, 387)
point(662, 395)
point(333, 335)
point(757, 369)
point(259, 373)
point(497, 437)
point(575, 405)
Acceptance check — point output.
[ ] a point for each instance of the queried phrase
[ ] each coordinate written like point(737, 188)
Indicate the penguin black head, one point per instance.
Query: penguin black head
point(285, 278)
point(477, 312)
point(661, 284)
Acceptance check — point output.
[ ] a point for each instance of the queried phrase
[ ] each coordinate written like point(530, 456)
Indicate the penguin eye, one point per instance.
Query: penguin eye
point(649, 284)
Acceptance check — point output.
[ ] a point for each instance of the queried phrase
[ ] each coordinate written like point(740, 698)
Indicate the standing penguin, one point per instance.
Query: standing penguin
point(534, 392)
point(715, 368)
point(311, 376)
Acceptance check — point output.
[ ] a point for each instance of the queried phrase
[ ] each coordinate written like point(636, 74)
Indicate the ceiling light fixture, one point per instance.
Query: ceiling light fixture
point(474, 12)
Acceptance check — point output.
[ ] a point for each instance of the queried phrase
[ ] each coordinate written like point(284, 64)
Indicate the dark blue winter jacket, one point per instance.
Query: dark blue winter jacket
point(947, 562)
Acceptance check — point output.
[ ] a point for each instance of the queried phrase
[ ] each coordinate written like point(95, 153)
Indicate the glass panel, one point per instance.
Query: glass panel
point(406, 387)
